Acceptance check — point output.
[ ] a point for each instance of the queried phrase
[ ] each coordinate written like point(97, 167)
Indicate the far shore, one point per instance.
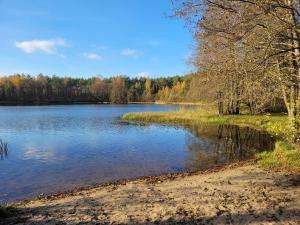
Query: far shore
point(74, 102)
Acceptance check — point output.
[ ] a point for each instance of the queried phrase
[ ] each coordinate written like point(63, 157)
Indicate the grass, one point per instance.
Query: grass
point(284, 157)
point(277, 125)
point(6, 210)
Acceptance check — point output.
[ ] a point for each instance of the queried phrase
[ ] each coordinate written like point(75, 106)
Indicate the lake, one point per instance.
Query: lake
point(58, 148)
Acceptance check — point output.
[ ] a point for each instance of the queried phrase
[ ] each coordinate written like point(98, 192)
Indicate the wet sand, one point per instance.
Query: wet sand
point(241, 195)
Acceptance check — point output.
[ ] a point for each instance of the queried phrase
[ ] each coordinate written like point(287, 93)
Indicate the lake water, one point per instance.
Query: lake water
point(58, 148)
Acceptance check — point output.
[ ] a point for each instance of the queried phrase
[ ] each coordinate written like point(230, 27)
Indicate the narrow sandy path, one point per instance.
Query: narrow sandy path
point(244, 195)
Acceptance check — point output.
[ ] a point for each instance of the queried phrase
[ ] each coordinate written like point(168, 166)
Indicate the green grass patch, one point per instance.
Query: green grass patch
point(284, 157)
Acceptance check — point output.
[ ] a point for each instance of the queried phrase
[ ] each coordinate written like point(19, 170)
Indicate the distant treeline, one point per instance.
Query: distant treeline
point(41, 89)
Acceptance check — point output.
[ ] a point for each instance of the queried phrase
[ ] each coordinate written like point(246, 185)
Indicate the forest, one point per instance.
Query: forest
point(41, 89)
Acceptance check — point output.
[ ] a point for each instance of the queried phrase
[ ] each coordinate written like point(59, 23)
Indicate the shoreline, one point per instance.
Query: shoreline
point(151, 178)
point(92, 102)
point(237, 194)
point(284, 157)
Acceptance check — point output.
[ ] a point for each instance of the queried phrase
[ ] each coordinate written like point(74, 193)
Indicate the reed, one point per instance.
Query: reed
point(3, 149)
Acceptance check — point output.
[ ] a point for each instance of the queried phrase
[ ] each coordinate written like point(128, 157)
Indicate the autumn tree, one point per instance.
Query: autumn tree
point(118, 93)
point(148, 93)
point(254, 43)
point(99, 89)
point(42, 87)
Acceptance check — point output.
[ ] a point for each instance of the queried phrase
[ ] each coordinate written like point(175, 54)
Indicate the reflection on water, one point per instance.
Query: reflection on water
point(58, 148)
point(214, 145)
point(3, 150)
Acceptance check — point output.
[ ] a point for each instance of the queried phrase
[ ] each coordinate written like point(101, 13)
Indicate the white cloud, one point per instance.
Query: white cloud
point(47, 46)
point(143, 74)
point(92, 56)
point(131, 52)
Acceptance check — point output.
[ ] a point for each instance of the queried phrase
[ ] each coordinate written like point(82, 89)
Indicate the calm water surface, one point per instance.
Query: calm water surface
point(57, 148)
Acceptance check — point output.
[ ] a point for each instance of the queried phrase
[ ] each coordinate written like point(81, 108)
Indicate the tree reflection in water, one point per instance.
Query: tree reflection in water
point(3, 150)
point(213, 145)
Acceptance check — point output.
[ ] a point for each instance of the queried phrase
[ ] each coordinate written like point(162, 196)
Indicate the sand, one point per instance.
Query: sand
point(242, 195)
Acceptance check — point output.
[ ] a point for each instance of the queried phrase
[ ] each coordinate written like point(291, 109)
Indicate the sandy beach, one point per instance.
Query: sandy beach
point(241, 195)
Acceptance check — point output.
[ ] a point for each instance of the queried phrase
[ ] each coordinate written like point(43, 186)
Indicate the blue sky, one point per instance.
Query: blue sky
point(83, 38)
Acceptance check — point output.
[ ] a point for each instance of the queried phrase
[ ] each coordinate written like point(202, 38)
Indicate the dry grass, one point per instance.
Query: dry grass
point(274, 124)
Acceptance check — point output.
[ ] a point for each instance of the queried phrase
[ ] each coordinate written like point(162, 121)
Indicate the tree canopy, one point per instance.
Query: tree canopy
point(41, 89)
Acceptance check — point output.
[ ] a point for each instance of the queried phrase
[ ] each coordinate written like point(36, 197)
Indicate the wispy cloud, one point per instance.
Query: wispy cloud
point(102, 47)
point(143, 74)
point(92, 56)
point(154, 43)
point(48, 46)
point(153, 59)
point(131, 52)
point(99, 47)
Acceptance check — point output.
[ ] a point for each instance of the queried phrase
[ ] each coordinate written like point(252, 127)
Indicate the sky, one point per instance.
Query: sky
point(84, 38)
